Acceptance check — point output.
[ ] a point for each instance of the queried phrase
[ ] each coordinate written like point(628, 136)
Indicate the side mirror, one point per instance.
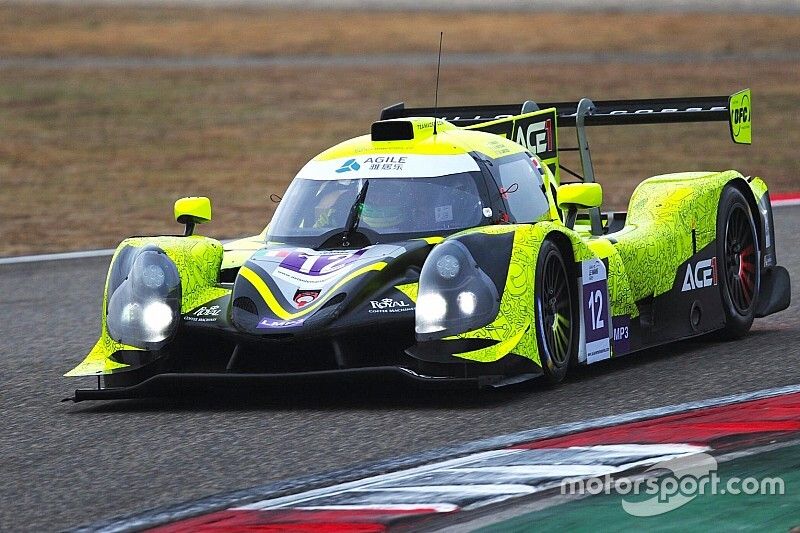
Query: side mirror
point(580, 195)
point(192, 210)
point(575, 196)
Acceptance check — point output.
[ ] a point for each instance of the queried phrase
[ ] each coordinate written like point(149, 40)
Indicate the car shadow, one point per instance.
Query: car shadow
point(320, 396)
point(332, 396)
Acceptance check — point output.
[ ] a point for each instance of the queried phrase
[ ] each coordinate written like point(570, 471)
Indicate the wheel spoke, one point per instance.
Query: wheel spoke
point(739, 260)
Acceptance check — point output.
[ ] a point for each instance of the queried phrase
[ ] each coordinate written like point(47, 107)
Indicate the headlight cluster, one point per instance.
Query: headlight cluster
point(144, 304)
point(455, 295)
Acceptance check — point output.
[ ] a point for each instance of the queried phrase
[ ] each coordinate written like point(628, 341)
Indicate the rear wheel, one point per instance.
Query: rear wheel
point(738, 263)
point(556, 313)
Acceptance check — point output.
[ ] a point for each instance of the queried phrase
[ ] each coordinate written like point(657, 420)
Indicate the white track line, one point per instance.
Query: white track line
point(55, 257)
point(785, 202)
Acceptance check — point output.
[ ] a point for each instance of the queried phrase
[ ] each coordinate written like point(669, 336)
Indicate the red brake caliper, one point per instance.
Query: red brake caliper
point(746, 269)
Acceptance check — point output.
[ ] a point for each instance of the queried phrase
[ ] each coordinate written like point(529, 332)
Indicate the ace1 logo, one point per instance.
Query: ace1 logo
point(703, 274)
point(536, 137)
point(537, 134)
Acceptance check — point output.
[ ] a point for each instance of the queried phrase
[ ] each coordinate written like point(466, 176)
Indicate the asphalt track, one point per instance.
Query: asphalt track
point(68, 464)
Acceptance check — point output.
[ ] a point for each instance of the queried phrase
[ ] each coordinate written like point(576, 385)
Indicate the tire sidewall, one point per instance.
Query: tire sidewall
point(552, 371)
point(736, 324)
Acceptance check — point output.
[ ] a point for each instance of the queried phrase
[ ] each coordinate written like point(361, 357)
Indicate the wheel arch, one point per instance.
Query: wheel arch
point(741, 185)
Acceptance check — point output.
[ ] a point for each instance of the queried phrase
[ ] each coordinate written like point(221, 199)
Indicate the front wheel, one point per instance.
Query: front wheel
point(738, 263)
point(556, 313)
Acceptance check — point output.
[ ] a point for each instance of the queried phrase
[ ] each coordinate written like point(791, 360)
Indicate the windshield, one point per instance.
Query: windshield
point(393, 206)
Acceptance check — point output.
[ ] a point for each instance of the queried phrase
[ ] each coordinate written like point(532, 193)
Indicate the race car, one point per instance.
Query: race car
point(443, 248)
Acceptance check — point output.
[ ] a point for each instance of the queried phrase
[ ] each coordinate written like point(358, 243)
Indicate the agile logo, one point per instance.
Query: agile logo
point(704, 274)
point(347, 166)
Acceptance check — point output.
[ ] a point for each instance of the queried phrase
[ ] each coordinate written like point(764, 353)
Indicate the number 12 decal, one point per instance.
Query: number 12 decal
point(596, 300)
point(596, 344)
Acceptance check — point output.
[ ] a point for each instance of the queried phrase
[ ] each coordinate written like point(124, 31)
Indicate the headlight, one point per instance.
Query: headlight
point(455, 295)
point(144, 307)
point(153, 276)
point(467, 302)
point(448, 266)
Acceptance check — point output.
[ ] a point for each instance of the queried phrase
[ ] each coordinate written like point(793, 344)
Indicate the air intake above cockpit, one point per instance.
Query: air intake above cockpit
point(392, 130)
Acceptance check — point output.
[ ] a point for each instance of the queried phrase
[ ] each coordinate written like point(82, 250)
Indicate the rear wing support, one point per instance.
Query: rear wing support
point(586, 108)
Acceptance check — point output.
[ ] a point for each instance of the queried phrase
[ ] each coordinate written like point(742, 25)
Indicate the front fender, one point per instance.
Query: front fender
point(198, 261)
point(515, 248)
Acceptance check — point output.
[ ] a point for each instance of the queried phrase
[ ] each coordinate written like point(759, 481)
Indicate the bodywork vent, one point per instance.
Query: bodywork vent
point(246, 304)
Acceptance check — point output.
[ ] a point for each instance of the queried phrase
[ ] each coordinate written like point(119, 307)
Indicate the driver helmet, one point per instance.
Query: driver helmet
point(383, 209)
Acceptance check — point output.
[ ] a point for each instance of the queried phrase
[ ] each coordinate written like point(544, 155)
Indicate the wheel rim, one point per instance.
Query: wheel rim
point(555, 311)
point(740, 259)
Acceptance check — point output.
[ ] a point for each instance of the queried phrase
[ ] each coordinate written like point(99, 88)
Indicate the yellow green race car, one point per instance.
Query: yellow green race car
point(447, 250)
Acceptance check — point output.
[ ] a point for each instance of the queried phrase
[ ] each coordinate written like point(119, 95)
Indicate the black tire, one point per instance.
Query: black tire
point(738, 266)
point(557, 338)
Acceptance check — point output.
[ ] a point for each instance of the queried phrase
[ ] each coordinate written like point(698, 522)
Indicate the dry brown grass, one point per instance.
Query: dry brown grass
point(64, 30)
point(88, 157)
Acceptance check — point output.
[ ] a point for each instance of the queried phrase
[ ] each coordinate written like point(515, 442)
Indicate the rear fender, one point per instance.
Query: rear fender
point(670, 218)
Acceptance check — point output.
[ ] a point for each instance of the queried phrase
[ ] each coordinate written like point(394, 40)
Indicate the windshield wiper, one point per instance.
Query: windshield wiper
point(354, 217)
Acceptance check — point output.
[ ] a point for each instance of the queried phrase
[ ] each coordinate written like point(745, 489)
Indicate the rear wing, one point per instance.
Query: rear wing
point(534, 124)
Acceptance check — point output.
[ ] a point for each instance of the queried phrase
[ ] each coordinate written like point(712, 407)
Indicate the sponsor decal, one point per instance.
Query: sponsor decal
point(318, 264)
point(536, 136)
point(476, 117)
point(621, 334)
point(660, 111)
point(535, 132)
point(303, 298)
point(389, 166)
point(499, 147)
point(348, 166)
point(443, 213)
point(389, 162)
point(741, 117)
point(702, 274)
point(267, 323)
point(595, 311)
point(204, 314)
point(389, 305)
